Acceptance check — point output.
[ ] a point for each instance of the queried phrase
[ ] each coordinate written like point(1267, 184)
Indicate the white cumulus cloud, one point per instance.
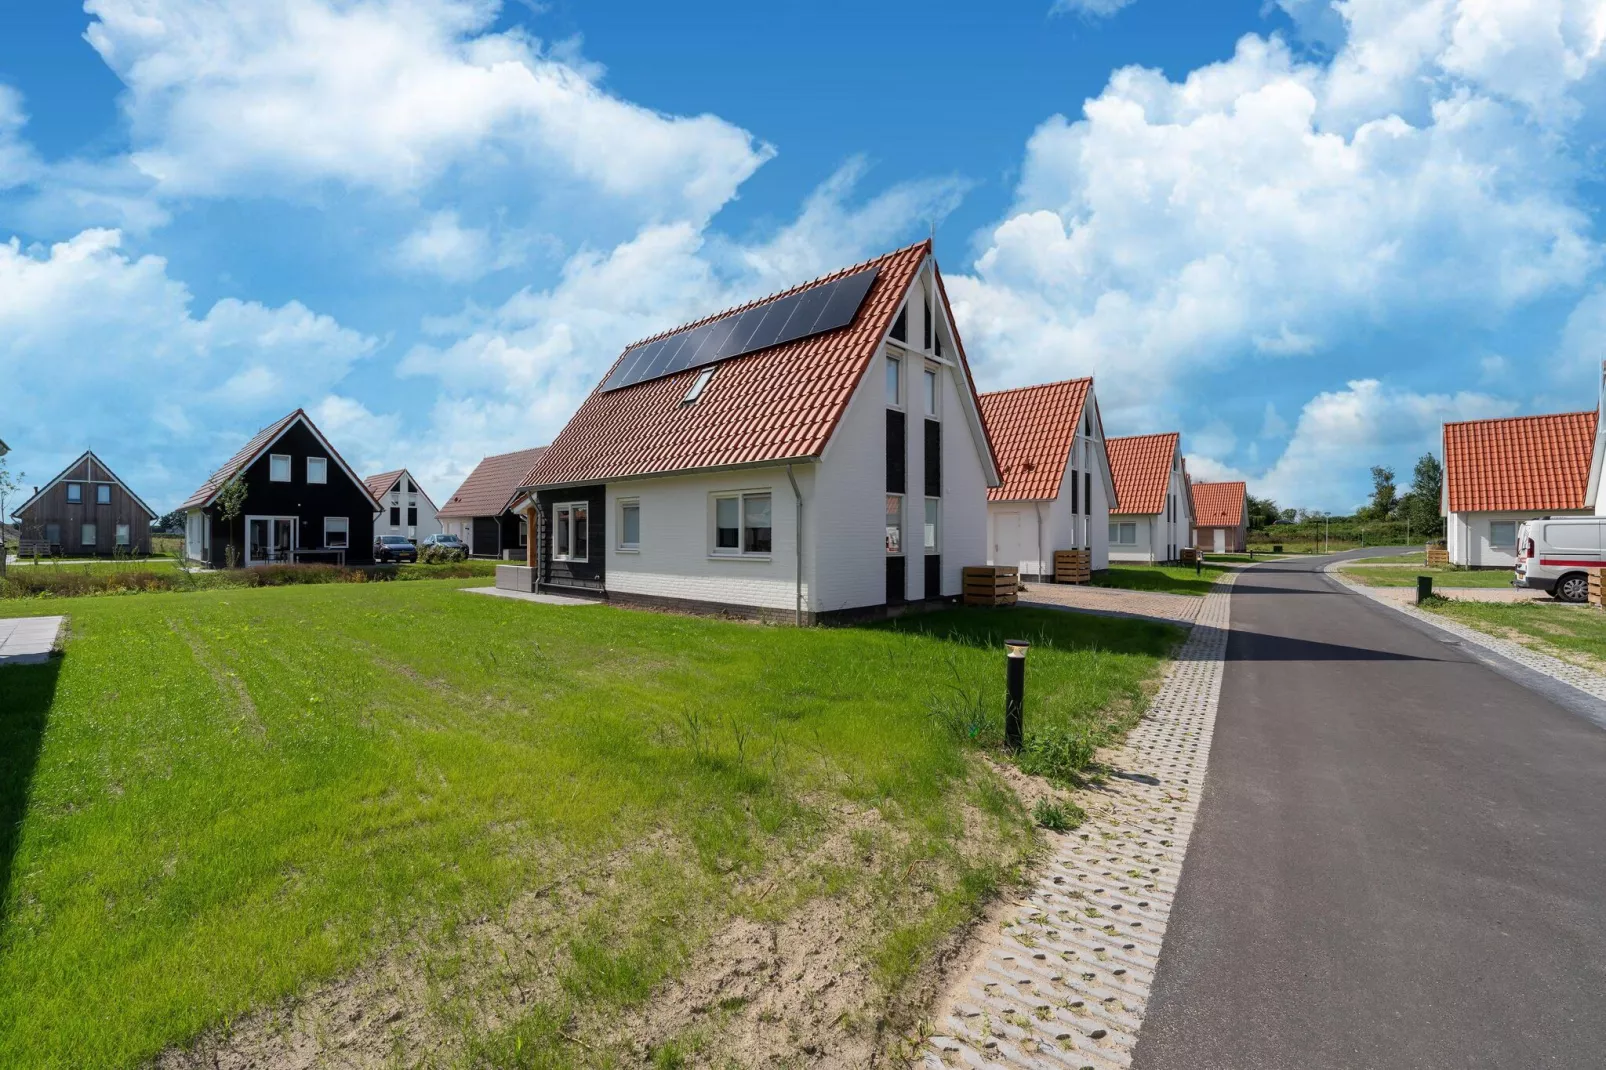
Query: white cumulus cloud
point(1098, 9)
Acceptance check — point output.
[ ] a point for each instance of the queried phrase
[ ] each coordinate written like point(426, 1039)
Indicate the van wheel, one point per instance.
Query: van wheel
point(1573, 587)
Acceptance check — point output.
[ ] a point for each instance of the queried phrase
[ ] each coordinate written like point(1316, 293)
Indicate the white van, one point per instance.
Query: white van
point(1553, 552)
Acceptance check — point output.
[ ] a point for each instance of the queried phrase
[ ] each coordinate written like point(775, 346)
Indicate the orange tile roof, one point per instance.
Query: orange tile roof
point(378, 485)
point(1141, 467)
point(1218, 505)
point(1033, 429)
point(777, 404)
point(489, 489)
point(1519, 462)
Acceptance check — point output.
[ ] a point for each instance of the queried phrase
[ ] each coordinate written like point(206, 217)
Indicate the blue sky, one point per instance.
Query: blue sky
point(1303, 234)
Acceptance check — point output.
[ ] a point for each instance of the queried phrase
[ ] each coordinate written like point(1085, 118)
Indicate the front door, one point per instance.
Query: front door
point(1221, 540)
point(1006, 539)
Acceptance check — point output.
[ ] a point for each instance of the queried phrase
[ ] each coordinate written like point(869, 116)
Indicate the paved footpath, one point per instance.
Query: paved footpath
point(27, 640)
point(1064, 980)
point(1116, 601)
point(1399, 858)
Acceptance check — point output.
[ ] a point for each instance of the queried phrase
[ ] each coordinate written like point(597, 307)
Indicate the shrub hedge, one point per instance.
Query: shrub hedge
point(68, 581)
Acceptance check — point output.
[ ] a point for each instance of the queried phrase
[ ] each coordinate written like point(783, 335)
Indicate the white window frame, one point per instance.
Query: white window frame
point(1496, 545)
point(289, 467)
point(75, 494)
point(931, 381)
point(634, 547)
point(585, 551)
point(896, 391)
point(343, 520)
point(741, 497)
point(323, 473)
point(88, 535)
point(106, 489)
point(698, 385)
point(933, 525)
point(1115, 535)
point(903, 526)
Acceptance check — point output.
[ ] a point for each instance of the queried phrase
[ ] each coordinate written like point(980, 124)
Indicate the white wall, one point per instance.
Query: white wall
point(1467, 537)
point(428, 524)
point(1146, 533)
point(676, 558)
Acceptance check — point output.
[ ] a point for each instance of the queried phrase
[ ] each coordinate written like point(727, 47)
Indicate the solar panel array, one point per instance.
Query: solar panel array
point(785, 319)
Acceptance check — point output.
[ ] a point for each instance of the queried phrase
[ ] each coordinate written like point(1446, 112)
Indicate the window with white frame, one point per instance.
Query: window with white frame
point(524, 526)
point(629, 524)
point(742, 523)
point(570, 531)
point(894, 381)
point(122, 535)
point(895, 523)
point(930, 382)
point(86, 535)
point(317, 469)
point(103, 494)
point(1503, 534)
point(698, 385)
point(930, 540)
point(1123, 534)
point(336, 532)
point(279, 467)
point(75, 492)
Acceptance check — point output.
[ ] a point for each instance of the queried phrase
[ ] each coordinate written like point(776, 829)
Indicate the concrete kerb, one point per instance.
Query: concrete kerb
point(1065, 979)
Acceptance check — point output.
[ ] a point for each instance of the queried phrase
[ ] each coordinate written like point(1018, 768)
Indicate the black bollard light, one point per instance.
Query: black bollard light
point(1015, 702)
point(1424, 589)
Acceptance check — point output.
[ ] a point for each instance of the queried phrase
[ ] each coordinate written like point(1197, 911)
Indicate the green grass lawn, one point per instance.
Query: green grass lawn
point(1563, 630)
point(1165, 579)
point(1413, 558)
point(215, 800)
point(1442, 577)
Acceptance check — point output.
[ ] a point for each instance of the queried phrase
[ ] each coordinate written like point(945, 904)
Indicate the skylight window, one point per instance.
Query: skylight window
point(698, 385)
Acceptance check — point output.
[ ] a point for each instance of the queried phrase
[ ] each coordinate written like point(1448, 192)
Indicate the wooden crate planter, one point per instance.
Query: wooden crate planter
point(1438, 557)
point(991, 585)
point(1597, 591)
point(1073, 566)
point(1188, 554)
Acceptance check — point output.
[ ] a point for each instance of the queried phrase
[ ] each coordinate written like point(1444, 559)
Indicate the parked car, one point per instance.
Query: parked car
point(445, 542)
point(1554, 553)
point(394, 548)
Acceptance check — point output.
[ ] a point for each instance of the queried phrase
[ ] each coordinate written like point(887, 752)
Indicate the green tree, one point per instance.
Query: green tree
point(230, 507)
point(1427, 488)
point(9, 485)
point(1262, 513)
point(1385, 496)
point(169, 523)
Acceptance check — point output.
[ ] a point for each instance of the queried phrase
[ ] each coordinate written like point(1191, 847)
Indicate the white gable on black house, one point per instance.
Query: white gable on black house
point(303, 503)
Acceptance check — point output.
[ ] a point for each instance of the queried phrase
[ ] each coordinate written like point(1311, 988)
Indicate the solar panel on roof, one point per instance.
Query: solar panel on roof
point(825, 307)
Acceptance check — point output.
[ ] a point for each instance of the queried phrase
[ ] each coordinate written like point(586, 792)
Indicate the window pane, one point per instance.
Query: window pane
point(894, 523)
point(727, 523)
point(122, 534)
point(86, 535)
point(1503, 533)
point(894, 380)
point(279, 468)
point(75, 492)
point(1129, 534)
point(412, 516)
point(580, 540)
point(1115, 532)
point(931, 525)
point(53, 533)
point(758, 523)
point(317, 470)
point(395, 516)
point(560, 528)
point(103, 494)
point(631, 525)
point(335, 531)
point(931, 392)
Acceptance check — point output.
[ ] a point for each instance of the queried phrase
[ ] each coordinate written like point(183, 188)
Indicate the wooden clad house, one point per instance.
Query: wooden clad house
point(85, 511)
point(813, 454)
point(302, 503)
point(481, 512)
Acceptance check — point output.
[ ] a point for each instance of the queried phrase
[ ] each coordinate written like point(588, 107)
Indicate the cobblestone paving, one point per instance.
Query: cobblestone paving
point(1063, 981)
point(1183, 608)
point(1589, 682)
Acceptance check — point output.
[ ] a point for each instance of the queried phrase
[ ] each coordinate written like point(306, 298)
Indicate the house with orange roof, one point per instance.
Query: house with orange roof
point(1220, 516)
point(1500, 473)
point(1056, 488)
point(815, 454)
point(405, 509)
point(482, 511)
point(1152, 519)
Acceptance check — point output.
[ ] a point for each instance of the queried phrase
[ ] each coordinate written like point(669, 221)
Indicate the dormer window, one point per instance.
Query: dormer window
point(900, 326)
point(698, 385)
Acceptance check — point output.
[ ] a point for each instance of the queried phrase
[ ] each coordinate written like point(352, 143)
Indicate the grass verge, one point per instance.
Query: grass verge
point(1448, 578)
point(529, 822)
point(1165, 579)
point(134, 577)
point(1572, 633)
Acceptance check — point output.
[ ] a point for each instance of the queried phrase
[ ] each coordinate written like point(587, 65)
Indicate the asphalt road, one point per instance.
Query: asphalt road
point(1399, 861)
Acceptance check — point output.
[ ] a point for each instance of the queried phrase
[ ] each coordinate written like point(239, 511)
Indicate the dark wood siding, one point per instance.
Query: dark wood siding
point(591, 572)
point(69, 518)
point(487, 537)
point(309, 503)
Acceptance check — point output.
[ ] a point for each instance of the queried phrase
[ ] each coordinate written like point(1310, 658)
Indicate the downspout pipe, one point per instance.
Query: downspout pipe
point(1038, 508)
point(797, 570)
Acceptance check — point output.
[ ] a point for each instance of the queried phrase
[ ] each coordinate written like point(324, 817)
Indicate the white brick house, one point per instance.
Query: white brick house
point(1152, 521)
point(1057, 486)
point(404, 508)
point(817, 453)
